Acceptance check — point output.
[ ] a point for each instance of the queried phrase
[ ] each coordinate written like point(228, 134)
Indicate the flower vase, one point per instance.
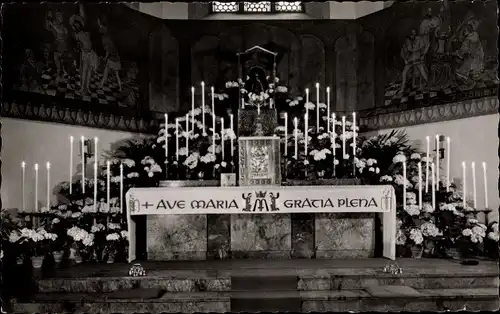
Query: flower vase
point(416, 251)
point(58, 255)
point(37, 261)
point(320, 174)
point(75, 255)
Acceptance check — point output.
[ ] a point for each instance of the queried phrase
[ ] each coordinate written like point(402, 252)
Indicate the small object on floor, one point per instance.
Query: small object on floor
point(393, 268)
point(137, 271)
point(469, 263)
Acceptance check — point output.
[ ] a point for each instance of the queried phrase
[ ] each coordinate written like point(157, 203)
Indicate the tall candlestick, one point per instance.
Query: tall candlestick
point(404, 184)
point(36, 188)
point(23, 176)
point(166, 137)
point(343, 139)
point(48, 185)
point(71, 165)
point(428, 143)
point(353, 135)
point(437, 161)
point(121, 189)
point(286, 134)
point(317, 107)
point(108, 183)
point(192, 107)
point(231, 125)
point(177, 139)
point(203, 106)
point(448, 163)
point(464, 185)
point(96, 150)
point(296, 135)
point(328, 109)
point(187, 135)
point(485, 186)
point(433, 186)
point(83, 164)
point(420, 185)
point(474, 194)
point(306, 133)
point(222, 136)
point(95, 186)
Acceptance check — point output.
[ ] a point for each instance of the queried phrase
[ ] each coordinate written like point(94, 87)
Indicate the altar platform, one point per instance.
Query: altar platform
point(268, 285)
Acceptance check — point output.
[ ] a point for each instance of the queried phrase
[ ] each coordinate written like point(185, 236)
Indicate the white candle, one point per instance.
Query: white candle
point(428, 147)
point(464, 185)
point(420, 185)
point(213, 105)
point(96, 150)
point(353, 134)
point(95, 186)
point(296, 135)
point(343, 138)
point(166, 137)
point(328, 109)
point(485, 186)
point(36, 188)
point(404, 184)
point(317, 107)
point(192, 107)
point(177, 139)
point(286, 134)
point(334, 121)
point(306, 132)
point(242, 103)
point(231, 123)
point(23, 176)
point(203, 106)
point(307, 104)
point(83, 164)
point(213, 134)
point(438, 155)
point(474, 195)
point(187, 135)
point(334, 138)
point(222, 136)
point(71, 140)
point(48, 185)
point(258, 109)
point(121, 188)
point(448, 163)
point(108, 183)
point(433, 187)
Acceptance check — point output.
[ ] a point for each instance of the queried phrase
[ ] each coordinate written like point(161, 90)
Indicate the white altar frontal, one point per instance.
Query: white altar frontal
point(265, 200)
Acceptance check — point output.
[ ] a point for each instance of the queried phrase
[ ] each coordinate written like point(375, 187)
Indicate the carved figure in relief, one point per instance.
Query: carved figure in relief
point(54, 24)
point(470, 54)
point(30, 73)
point(413, 53)
point(248, 202)
point(112, 58)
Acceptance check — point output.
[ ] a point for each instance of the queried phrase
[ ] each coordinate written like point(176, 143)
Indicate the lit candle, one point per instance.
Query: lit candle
point(353, 134)
point(437, 161)
point(95, 186)
point(485, 186)
point(328, 109)
point(428, 143)
point(242, 103)
point(96, 150)
point(404, 184)
point(48, 185)
point(192, 107)
point(433, 187)
point(187, 135)
point(464, 185)
point(231, 123)
point(296, 135)
point(71, 164)
point(343, 138)
point(474, 195)
point(307, 104)
point(420, 185)
point(83, 164)
point(306, 132)
point(121, 188)
point(448, 164)
point(317, 107)
point(177, 139)
point(23, 176)
point(222, 136)
point(36, 188)
point(286, 134)
point(166, 136)
point(334, 138)
point(213, 109)
point(203, 106)
point(108, 183)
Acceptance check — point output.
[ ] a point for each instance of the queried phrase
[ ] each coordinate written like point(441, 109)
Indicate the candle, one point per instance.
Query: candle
point(353, 134)
point(427, 138)
point(404, 184)
point(258, 109)
point(213, 134)
point(464, 185)
point(232, 129)
point(213, 104)
point(187, 135)
point(177, 139)
point(23, 176)
point(242, 103)
point(166, 137)
point(36, 188)
point(307, 104)
point(108, 183)
point(121, 188)
point(306, 132)
point(485, 186)
point(437, 161)
point(328, 109)
point(71, 139)
point(95, 186)
point(286, 134)
point(83, 164)
point(420, 185)
point(474, 195)
point(192, 107)
point(334, 138)
point(203, 106)
point(296, 135)
point(433, 187)
point(343, 138)
point(334, 118)
point(222, 136)
point(48, 185)
point(96, 151)
point(448, 164)
point(317, 107)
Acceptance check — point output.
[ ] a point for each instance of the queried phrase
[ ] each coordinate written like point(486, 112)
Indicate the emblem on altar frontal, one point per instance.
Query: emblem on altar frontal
point(386, 201)
point(134, 205)
point(263, 202)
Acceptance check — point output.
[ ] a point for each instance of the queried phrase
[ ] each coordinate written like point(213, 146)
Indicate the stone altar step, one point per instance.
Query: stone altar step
point(485, 299)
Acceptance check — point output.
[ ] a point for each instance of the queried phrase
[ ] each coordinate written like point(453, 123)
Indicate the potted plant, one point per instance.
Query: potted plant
point(112, 240)
point(82, 244)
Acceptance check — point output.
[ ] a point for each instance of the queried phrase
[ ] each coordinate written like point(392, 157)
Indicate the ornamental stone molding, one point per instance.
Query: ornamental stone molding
point(432, 114)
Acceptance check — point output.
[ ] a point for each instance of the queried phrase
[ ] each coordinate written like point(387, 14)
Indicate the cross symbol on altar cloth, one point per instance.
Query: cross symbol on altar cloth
point(147, 204)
